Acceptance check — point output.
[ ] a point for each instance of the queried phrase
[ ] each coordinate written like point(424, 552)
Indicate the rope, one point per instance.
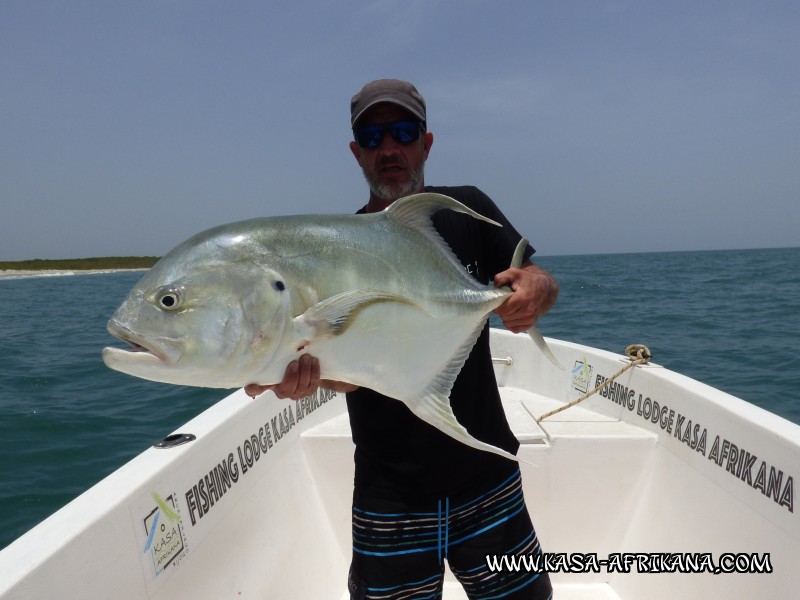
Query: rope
point(637, 353)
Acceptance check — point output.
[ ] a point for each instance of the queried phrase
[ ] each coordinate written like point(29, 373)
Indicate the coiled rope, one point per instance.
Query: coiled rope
point(638, 354)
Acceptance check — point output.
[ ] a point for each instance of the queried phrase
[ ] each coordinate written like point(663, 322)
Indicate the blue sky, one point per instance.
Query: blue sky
point(597, 126)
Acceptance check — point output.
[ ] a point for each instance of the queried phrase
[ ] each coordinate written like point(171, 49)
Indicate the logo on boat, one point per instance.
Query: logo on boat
point(581, 376)
point(166, 543)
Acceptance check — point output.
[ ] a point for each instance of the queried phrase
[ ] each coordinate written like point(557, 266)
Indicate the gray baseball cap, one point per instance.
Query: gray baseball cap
point(393, 91)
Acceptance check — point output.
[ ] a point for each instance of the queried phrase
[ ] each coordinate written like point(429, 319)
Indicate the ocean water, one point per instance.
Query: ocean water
point(727, 318)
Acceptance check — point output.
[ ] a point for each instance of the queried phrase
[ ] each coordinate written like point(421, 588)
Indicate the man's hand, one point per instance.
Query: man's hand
point(300, 379)
point(535, 291)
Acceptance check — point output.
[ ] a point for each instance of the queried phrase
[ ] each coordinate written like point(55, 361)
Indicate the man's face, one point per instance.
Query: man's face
point(393, 169)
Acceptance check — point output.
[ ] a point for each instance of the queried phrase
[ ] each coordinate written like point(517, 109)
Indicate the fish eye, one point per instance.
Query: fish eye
point(279, 285)
point(169, 300)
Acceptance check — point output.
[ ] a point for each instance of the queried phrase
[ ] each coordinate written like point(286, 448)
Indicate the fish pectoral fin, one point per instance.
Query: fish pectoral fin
point(435, 410)
point(333, 315)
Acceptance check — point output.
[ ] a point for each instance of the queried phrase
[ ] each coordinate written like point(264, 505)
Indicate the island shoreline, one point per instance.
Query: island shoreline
point(29, 273)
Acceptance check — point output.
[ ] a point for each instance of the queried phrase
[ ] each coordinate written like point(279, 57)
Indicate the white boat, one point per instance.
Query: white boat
point(639, 487)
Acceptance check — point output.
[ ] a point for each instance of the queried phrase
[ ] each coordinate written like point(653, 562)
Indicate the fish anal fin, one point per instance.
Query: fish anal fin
point(432, 404)
point(435, 410)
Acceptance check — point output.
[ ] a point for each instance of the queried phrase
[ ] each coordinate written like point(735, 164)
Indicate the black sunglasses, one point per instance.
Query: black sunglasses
point(402, 132)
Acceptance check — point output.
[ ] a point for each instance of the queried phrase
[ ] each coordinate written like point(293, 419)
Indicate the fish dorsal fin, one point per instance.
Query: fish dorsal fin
point(416, 210)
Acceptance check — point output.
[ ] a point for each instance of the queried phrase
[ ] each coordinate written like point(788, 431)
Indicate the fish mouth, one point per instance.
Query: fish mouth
point(165, 350)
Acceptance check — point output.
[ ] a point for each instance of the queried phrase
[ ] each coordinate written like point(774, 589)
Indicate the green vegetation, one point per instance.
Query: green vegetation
point(81, 264)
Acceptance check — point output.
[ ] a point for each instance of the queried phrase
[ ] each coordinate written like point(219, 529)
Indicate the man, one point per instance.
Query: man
point(421, 497)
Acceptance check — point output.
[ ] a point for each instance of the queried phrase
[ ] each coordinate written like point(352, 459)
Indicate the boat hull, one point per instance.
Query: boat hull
point(258, 504)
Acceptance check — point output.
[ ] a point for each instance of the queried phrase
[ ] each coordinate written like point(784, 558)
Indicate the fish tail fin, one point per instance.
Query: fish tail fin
point(533, 332)
point(519, 254)
point(435, 410)
point(540, 342)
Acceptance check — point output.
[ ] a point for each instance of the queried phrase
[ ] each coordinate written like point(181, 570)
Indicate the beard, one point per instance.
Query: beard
point(391, 192)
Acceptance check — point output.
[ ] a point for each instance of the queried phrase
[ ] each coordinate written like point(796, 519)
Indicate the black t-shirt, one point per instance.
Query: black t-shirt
point(400, 456)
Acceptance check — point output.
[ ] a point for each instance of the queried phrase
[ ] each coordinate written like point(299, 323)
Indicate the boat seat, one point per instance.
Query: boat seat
point(523, 408)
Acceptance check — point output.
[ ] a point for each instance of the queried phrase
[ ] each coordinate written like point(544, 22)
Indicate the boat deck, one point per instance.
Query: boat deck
point(577, 440)
point(564, 591)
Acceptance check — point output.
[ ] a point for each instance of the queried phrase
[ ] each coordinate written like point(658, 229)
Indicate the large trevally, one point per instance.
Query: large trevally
point(379, 299)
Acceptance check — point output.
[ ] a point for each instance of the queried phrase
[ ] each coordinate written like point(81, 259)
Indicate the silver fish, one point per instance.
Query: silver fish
point(379, 299)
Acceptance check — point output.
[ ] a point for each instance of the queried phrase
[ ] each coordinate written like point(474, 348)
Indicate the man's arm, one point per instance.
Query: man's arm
point(301, 379)
point(535, 291)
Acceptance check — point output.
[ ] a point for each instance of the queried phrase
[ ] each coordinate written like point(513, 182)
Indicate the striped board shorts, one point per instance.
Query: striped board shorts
point(399, 554)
